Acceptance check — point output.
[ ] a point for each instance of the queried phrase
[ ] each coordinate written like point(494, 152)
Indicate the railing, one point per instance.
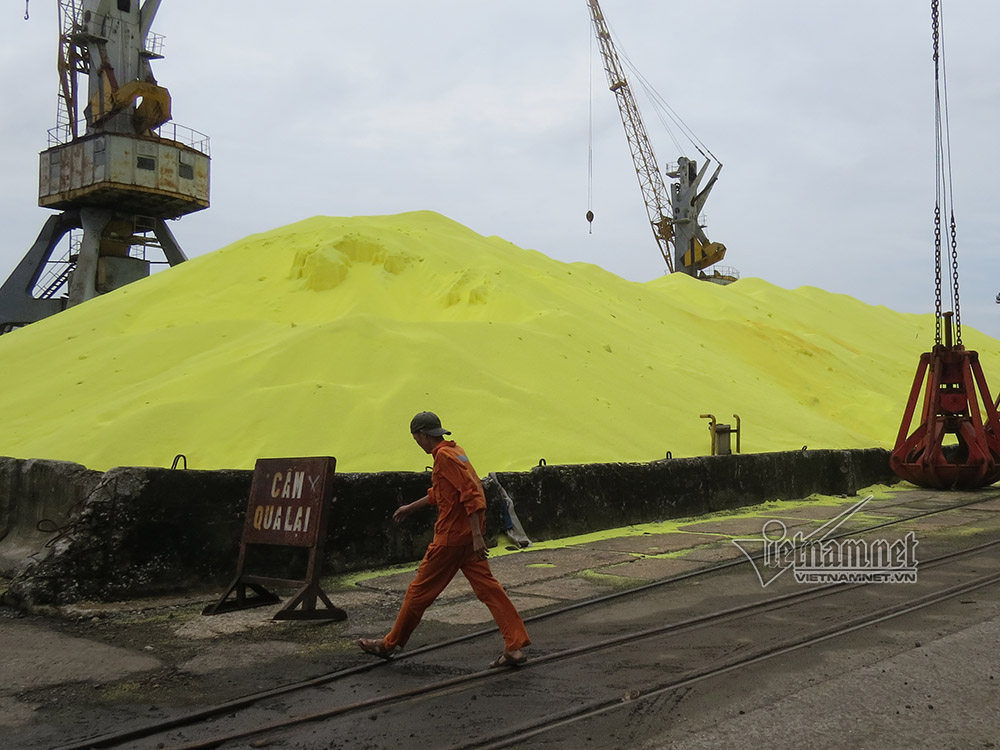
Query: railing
point(727, 272)
point(153, 45)
point(76, 27)
point(182, 134)
point(60, 134)
point(168, 131)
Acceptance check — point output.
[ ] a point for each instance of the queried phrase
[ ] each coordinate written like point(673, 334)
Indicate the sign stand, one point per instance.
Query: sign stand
point(289, 507)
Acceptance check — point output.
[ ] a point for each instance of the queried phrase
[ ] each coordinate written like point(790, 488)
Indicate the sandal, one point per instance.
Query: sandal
point(375, 647)
point(506, 660)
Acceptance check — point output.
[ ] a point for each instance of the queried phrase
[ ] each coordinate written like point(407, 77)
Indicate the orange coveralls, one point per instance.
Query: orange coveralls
point(457, 493)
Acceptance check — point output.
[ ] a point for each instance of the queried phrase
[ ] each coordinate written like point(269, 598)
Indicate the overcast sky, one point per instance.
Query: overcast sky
point(820, 110)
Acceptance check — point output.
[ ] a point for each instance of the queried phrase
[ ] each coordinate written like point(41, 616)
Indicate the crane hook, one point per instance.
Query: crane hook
point(590, 219)
point(26, 9)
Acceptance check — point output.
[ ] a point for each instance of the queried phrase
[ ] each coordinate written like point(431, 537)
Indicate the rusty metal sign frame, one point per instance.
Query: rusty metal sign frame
point(289, 506)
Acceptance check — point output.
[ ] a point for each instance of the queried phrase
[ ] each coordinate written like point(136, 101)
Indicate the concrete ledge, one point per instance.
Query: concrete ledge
point(37, 493)
point(142, 531)
point(557, 501)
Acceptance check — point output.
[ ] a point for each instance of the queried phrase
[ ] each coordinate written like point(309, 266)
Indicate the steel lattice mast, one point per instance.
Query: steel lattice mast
point(654, 190)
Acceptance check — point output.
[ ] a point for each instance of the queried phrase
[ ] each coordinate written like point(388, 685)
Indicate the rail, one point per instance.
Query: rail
point(451, 685)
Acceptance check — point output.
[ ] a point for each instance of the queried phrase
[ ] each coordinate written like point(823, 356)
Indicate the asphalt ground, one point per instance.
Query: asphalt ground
point(87, 669)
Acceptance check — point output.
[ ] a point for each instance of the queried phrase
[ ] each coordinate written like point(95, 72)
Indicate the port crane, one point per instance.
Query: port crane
point(117, 166)
point(674, 213)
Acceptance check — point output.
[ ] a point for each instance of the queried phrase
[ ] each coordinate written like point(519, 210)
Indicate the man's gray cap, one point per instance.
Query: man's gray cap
point(427, 421)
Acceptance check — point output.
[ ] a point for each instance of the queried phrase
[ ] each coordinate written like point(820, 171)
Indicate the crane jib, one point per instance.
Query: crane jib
point(673, 214)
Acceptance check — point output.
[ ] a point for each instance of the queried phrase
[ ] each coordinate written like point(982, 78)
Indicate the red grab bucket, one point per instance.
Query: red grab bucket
point(954, 392)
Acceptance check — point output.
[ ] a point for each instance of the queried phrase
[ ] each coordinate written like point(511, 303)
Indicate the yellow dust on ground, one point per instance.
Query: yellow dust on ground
point(324, 337)
point(820, 504)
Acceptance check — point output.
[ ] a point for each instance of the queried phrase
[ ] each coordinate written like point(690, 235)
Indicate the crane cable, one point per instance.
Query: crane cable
point(663, 110)
point(590, 144)
point(944, 193)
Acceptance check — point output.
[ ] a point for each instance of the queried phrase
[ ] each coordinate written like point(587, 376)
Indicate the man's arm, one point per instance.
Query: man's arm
point(460, 475)
point(405, 511)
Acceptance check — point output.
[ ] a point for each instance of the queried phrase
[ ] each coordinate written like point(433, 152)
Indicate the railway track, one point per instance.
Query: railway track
point(597, 657)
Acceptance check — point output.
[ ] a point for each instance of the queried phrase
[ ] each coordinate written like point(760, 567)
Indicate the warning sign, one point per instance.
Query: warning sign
point(287, 501)
point(289, 505)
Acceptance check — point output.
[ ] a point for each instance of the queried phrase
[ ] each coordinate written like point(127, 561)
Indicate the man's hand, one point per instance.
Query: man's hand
point(405, 511)
point(479, 548)
point(476, 525)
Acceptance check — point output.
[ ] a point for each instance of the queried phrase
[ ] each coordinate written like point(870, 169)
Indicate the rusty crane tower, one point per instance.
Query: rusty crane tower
point(116, 167)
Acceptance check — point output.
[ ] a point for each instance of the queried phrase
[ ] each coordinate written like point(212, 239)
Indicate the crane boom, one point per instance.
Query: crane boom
point(654, 190)
point(674, 213)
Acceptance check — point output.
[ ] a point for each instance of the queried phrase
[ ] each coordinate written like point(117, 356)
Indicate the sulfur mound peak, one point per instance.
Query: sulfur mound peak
point(324, 337)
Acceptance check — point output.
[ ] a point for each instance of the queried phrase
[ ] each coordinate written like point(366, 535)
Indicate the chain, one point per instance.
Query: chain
point(935, 31)
point(935, 36)
point(954, 278)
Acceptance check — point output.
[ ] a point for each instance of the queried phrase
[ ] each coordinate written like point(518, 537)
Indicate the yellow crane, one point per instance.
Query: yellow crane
point(674, 213)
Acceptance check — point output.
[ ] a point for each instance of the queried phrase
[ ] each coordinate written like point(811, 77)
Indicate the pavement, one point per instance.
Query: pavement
point(83, 669)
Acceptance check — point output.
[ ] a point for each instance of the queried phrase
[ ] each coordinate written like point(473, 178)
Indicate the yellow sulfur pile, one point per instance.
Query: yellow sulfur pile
point(324, 337)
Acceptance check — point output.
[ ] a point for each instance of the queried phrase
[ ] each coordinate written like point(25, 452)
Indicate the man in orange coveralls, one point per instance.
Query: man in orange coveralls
point(457, 545)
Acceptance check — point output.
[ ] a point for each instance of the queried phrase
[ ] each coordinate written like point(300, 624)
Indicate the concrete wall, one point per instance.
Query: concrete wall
point(141, 531)
point(37, 498)
point(556, 501)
